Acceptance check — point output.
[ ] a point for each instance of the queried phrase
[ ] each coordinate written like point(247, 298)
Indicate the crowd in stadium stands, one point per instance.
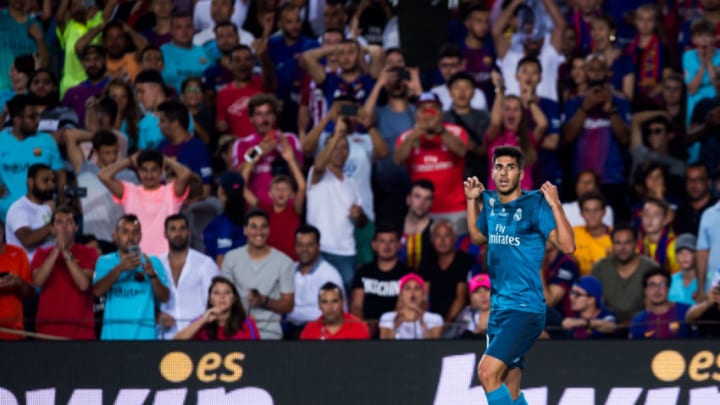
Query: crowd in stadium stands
point(284, 169)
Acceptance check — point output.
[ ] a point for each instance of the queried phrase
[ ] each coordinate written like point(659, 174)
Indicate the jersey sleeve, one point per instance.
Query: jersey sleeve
point(546, 220)
point(102, 268)
point(482, 218)
point(54, 160)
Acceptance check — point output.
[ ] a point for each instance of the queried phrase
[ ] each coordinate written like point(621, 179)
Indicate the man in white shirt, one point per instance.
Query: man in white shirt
point(28, 218)
point(221, 11)
point(450, 61)
point(189, 274)
point(204, 11)
point(311, 273)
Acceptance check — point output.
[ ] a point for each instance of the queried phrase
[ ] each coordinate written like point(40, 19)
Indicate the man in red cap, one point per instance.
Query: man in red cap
point(435, 150)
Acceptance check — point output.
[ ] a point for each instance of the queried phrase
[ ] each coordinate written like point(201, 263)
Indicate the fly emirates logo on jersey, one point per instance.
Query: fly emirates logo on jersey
point(501, 235)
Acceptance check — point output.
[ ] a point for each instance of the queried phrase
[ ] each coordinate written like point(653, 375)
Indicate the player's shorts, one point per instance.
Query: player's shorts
point(511, 334)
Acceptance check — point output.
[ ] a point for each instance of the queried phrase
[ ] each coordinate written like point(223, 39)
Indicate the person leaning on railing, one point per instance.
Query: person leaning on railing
point(707, 315)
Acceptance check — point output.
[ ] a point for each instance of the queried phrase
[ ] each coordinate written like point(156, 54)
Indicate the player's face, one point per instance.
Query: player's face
point(443, 239)
point(386, 246)
point(222, 297)
point(331, 306)
point(685, 258)
point(411, 294)
point(480, 299)
point(579, 299)
point(506, 174)
point(307, 248)
point(623, 245)
point(656, 290)
point(593, 212)
point(257, 231)
point(653, 218)
point(420, 201)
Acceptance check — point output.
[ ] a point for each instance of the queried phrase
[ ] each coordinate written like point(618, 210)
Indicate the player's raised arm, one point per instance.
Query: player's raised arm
point(473, 192)
point(562, 236)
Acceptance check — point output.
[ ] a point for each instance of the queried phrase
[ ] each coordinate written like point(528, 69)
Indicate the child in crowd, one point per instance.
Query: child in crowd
point(684, 283)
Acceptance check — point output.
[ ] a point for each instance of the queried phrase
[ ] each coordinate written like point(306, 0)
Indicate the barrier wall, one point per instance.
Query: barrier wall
point(440, 372)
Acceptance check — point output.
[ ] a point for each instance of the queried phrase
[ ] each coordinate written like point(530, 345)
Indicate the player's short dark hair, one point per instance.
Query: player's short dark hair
point(656, 271)
point(308, 229)
point(592, 195)
point(386, 228)
point(529, 60)
point(104, 137)
point(175, 111)
point(254, 213)
point(150, 155)
point(65, 209)
point(176, 217)
point(461, 76)
point(623, 227)
point(330, 286)
point(33, 170)
point(510, 151)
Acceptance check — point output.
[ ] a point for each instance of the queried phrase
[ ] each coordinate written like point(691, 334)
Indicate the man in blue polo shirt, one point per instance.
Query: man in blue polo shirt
point(21, 146)
point(516, 225)
point(182, 58)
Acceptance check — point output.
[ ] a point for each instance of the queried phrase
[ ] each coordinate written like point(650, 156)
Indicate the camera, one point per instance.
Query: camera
point(75, 192)
point(403, 74)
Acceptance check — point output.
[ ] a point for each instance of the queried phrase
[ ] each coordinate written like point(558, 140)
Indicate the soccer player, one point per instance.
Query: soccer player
point(515, 224)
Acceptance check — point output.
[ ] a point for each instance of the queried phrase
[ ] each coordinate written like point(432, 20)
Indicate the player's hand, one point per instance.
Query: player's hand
point(473, 188)
point(551, 194)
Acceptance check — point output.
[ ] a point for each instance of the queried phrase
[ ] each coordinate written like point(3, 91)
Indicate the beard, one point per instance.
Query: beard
point(96, 74)
point(179, 244)
point(43, 195)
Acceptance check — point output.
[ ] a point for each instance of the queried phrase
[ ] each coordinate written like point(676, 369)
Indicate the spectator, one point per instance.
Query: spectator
point(206, 13)
point(151, 92)
point(478, 50)
point(100, 213)
point(592, 240)
point(28, 222)
point(22, 146)
point(287, 204)
point(312, 273)
point(284, 50)
point(698, 65)
point(410, 320)
point(559, 272)
point(159, 34)
point(535, 42)
point(575, 82)
point(650, 56)
point(225, 232)
point(446, 274)
point(15, 286)
point(472, 323)
point(233, 100)
point(73, 20)
point(115, 35)
point(101, 114)
point(704, 124)
point(661, 318)
point(334, 323)
point(263, 275)
point(182, 58)
point(21, 70)
point(451, 62)
point(657, 240)
point(391, 182)
point(151, 200)
point(698, 198)
point(415, 243)
point(509, 125)
point(335, 205)
point(128, 115)
point(706, 315)
point(591, 320)
point(203, 117)
point(180, 145)
point(582, 15)
point(265, 142)
point(604, 39)
point(375, 288)
point(621, 274)
point(132, 282)
point(217, 75)
point(436, 151)
point(16, 20)
point(608, 135)
point(474, 121)
point(64, 273)
point(189, 274)
point(683, 284)
point(587, 181)
point(651, 141)
point(212, 37)
point(653, 181)
point(225, 317)
point(708, 254)
point(151, 58)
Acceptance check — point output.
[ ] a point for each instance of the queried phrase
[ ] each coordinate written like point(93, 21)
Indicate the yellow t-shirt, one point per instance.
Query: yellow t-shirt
point(589, 250)
point(73, 71)
point(671, 263)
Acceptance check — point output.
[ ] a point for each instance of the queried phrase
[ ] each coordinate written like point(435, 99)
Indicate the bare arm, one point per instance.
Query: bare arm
point(63, 14)
point(108, 173)
point(182, 176)
point(312, 62)
point(137, 39)
point(369, 107)
point(357, 303)
point(377, 60)
point(701, 257)
point(31, 238)
point(310, 143)
point(553, 294)
point(562, 236)
point(603, 326)
point(628, 86)
point(284, 305)
point(696, 81)
point(502, 44)
point(108, 10)
point(73, 137)
point(104, 284)
point(35, 32)
point(87, 37)
point(191, 330)
point(541, 122)
point(574, 125)
point(558, 23)
point(323, 158)
point(402, 151)
point(453, 143)
point(620, 129)
point(473, 206)
point(387, 334)
point(288, 154)
point(461, 292)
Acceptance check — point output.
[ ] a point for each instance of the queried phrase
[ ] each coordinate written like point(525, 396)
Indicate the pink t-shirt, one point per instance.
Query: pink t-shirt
point(507, 138)
point(261, 176)
point(151, 208)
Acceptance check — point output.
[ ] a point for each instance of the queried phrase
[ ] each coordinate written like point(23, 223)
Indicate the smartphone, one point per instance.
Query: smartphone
point(75, 192)
point(349, 110)
point(403, 74)
point(134, 250)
